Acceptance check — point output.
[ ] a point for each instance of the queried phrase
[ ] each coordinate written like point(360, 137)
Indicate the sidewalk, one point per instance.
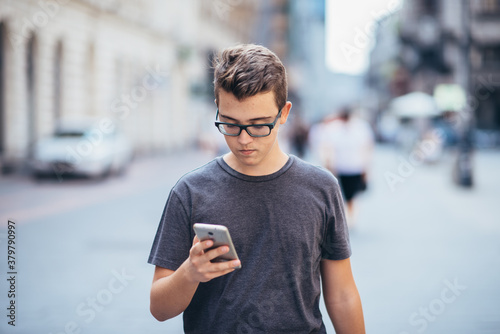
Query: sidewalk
point(426, 255)
point(415, 239)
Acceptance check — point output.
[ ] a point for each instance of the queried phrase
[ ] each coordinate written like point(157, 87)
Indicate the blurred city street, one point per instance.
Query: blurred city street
point(88, 87)
point(426, 255)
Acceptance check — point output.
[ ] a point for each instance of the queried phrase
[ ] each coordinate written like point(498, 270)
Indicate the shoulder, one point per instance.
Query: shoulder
point(313, 173)
point(198, 176)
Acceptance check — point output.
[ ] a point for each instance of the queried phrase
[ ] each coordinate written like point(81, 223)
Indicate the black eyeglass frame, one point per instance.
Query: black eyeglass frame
point(244, 127)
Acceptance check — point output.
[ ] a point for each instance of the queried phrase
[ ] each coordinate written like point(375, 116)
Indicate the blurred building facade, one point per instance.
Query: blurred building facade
point(432, 42)
point(384, 66)
point(134, 62)
point(319, 91)
point(272, 26)
point(147, 65)
point(307, 57)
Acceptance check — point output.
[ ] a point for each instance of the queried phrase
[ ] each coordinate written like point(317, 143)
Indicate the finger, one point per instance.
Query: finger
point(195, 240)
point(222, 268)
point(199, 247)
point(227, 265)
point(220, 273)
point(213, 253)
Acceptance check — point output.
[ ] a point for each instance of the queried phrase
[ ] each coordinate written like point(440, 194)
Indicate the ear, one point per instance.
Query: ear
point(285, 112)
point(215, 101)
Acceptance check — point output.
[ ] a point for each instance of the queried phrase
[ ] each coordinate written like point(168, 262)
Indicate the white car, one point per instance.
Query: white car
point(90, 148)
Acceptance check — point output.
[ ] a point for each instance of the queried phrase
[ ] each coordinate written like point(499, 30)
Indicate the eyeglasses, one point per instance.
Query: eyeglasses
point(254, 130)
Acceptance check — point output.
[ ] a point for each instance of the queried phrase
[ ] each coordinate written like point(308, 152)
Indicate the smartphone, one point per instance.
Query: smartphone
point(219, 234)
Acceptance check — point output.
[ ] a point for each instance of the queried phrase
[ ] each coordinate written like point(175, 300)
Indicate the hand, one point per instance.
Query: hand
point(199, 267)
point(363, 177)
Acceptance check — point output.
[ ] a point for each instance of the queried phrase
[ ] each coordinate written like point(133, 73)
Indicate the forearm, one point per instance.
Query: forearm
point(171, 295)
point(347, 314)
point(172, 291)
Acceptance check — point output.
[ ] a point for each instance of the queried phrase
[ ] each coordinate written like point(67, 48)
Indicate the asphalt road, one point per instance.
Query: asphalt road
point(426, 254)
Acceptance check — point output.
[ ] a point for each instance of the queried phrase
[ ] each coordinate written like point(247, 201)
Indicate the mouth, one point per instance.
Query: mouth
point(246, 152)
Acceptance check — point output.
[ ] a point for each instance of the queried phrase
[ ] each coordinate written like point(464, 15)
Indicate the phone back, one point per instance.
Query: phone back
point(220, 236)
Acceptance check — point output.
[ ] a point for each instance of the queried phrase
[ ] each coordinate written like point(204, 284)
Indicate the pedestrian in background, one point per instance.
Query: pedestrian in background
point(286, 219)
point(299, 136)
point(349, 146)
point(318, 141)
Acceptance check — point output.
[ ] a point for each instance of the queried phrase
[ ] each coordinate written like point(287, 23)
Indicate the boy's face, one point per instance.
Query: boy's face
point(252, 155)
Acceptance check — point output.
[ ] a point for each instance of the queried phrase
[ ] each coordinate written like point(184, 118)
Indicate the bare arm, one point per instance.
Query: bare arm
point(341, 297)
point(172, 291)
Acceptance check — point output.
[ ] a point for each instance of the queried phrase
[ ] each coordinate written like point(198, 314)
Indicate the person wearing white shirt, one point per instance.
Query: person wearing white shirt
point(350, 143)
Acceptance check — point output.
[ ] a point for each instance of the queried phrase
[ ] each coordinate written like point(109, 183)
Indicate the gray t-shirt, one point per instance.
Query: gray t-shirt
point(281, 225)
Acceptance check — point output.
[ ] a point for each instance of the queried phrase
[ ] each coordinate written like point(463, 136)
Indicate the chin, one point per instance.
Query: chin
point(250, 161)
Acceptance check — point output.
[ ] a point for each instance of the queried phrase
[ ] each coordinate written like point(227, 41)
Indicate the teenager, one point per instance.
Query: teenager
point(286, 219)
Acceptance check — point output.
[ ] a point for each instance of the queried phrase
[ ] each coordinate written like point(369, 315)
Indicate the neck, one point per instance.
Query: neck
point(267, 167)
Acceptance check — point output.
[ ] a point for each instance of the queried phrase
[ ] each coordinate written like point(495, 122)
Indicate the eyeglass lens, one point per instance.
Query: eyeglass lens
point(253, 130)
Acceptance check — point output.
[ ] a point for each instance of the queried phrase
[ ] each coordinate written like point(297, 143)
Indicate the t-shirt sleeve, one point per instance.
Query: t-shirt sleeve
point(173, 238)
point(336, 244)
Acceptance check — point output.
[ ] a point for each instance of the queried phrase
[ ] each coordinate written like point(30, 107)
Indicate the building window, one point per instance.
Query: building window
point(486, 7)
point(491, 57)
point(90, 80)
point(31, 49)
point(58, 59)
point(429, 7)
point(2, 113)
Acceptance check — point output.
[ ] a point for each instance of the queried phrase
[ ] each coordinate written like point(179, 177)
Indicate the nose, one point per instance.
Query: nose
point(244, 138)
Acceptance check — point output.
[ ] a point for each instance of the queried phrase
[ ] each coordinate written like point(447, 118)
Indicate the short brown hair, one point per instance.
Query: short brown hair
point(247, 70)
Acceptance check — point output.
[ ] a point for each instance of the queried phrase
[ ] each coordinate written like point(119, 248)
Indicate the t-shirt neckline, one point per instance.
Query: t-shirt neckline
point(260, 178)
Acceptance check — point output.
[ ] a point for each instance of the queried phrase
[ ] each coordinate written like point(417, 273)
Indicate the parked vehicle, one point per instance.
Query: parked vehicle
point(90, 148)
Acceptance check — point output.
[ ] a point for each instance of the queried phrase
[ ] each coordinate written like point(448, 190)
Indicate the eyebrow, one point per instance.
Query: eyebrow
point(250, 120)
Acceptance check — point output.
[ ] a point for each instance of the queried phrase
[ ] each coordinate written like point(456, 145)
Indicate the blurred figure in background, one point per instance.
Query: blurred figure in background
point(349, 143)
point(318, 140)
point(299, 135)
